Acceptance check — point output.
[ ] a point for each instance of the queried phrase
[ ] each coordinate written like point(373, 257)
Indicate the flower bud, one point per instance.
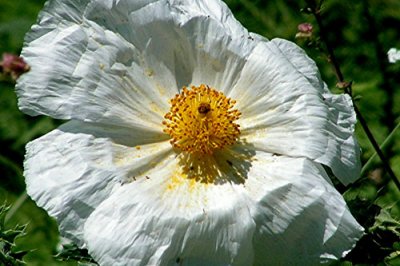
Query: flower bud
point(305, 30)
point(13, 65)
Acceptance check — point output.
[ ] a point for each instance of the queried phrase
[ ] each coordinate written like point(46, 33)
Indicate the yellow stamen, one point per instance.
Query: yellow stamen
point(201, 120)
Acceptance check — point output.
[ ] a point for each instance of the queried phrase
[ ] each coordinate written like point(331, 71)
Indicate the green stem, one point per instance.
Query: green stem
point(376, 147)
point(7, 162)
point(21, 199)
point(16, 205)
point(367, 165)
point(317, 14)
point(255, 12)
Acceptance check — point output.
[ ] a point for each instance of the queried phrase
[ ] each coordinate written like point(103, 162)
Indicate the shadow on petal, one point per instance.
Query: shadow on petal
point(230, 164)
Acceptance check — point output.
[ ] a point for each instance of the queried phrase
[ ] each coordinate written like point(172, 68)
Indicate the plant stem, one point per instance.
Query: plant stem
point(255, 12)
point(9, 163)
point(16, 205)
point(376, 147)
point(382, 146)
point(382, 62)
point(331, 54)
point(339, 75)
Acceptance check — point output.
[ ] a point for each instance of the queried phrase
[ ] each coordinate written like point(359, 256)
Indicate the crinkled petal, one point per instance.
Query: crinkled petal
point(114, 183)
point(284, 204)
point(168, 218)
point(297, 210)
point(343, 152)
point(288, 110)
point(197, 41)
point(70, 173)
point(120, 62)
point(80, 71)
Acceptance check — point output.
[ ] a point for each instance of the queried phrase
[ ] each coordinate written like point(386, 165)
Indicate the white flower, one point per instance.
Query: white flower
point(239, 183)
point(393, 55)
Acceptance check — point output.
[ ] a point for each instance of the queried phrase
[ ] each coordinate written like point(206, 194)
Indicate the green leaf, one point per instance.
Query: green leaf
point(384, 221)
point(393, 258)
point(71, 252)
point(7, 241)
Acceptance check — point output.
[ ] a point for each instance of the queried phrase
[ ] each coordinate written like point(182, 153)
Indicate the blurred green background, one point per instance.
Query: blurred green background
point(361, 33)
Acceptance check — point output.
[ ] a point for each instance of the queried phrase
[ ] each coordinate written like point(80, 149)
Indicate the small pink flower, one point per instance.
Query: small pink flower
point(13, 65)
point(305, 30)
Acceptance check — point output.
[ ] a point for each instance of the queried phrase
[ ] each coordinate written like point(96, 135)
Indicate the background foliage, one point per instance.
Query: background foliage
point(361, 33)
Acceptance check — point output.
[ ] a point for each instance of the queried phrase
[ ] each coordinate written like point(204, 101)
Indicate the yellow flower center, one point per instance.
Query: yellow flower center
point(201, 120)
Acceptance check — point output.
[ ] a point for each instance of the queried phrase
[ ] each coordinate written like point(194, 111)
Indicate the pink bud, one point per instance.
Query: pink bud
point(13, 65)
point(305, 28)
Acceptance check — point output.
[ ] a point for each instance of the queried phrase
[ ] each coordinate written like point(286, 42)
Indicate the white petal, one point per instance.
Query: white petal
point(120, 62)
point(169, 218)
point(199, 42)
point(343, 152)
point(70, 173)
point(288, 110)
point(297, 210)
point(393, 55)
point(115, 64)
point(79, 71)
